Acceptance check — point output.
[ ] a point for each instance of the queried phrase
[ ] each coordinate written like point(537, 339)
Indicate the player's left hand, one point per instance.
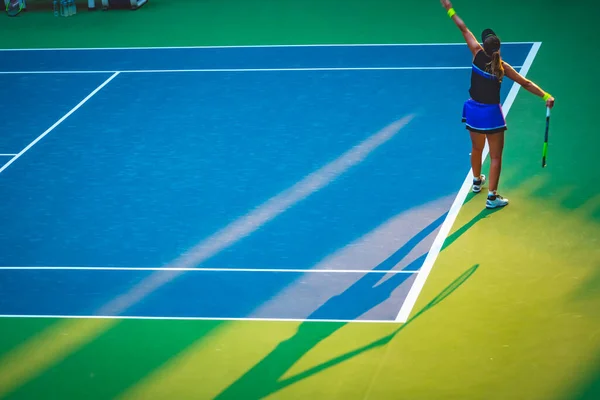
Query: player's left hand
point(446, 4)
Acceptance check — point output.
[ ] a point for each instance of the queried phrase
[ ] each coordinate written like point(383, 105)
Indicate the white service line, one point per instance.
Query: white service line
point(30, 145)
point(255, 218)
point(156, 71)
point(436, 247)
point(7, 155)
point(49, 72)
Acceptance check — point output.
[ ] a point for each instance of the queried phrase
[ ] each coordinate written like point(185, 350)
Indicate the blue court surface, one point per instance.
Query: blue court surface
point(259, 182)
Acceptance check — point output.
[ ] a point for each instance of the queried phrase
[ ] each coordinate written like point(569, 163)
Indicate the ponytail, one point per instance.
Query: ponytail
point(495, 66)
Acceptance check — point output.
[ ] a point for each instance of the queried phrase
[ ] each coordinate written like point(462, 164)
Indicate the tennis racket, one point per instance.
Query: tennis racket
point(545, 149)
point(14, 7)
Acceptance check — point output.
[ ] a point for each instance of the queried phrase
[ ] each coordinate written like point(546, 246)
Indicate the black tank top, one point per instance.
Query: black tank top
point(485, 87)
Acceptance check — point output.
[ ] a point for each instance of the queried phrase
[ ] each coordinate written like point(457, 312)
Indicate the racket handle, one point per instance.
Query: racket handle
point(547, 111)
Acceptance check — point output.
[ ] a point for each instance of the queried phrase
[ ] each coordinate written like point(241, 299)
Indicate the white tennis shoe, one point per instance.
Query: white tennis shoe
point(478, 183)
point(494, 200)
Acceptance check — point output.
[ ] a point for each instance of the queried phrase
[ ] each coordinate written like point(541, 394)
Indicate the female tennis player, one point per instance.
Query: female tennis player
point(482, 113)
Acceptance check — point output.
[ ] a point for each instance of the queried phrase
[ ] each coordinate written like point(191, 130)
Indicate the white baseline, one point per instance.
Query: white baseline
point(183, 269)
point(252, 46)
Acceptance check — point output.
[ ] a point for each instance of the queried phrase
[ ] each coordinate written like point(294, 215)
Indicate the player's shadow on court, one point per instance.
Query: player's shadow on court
point(463, 229)
point(369, 291)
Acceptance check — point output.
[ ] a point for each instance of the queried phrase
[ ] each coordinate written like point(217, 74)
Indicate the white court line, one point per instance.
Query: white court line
point(274, 270)
point(7, 155)
point(155, 71)
point(436, 247)
point(254, 46)
point(247, 224)
point(256, 218)
point(198, 318)
point(143, 290)
point(30, 145)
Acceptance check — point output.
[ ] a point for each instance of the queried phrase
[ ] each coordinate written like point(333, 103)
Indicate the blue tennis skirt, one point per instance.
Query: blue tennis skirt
point(483, 118)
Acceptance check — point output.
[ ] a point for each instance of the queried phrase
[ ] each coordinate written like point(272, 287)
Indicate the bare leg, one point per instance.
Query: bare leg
point(496, 144)
point(477, 145)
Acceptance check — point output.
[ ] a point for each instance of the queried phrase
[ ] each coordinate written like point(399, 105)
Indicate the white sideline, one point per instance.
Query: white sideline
point(436, 247)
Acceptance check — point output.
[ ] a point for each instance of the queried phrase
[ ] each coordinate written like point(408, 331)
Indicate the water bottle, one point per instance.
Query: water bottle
point(69, 8)
point(56, 8)
point(63, 8)
point(74, 7)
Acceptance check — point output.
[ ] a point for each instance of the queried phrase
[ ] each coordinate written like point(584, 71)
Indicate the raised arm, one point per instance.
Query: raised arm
point(528, 85)
point(472, 42)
